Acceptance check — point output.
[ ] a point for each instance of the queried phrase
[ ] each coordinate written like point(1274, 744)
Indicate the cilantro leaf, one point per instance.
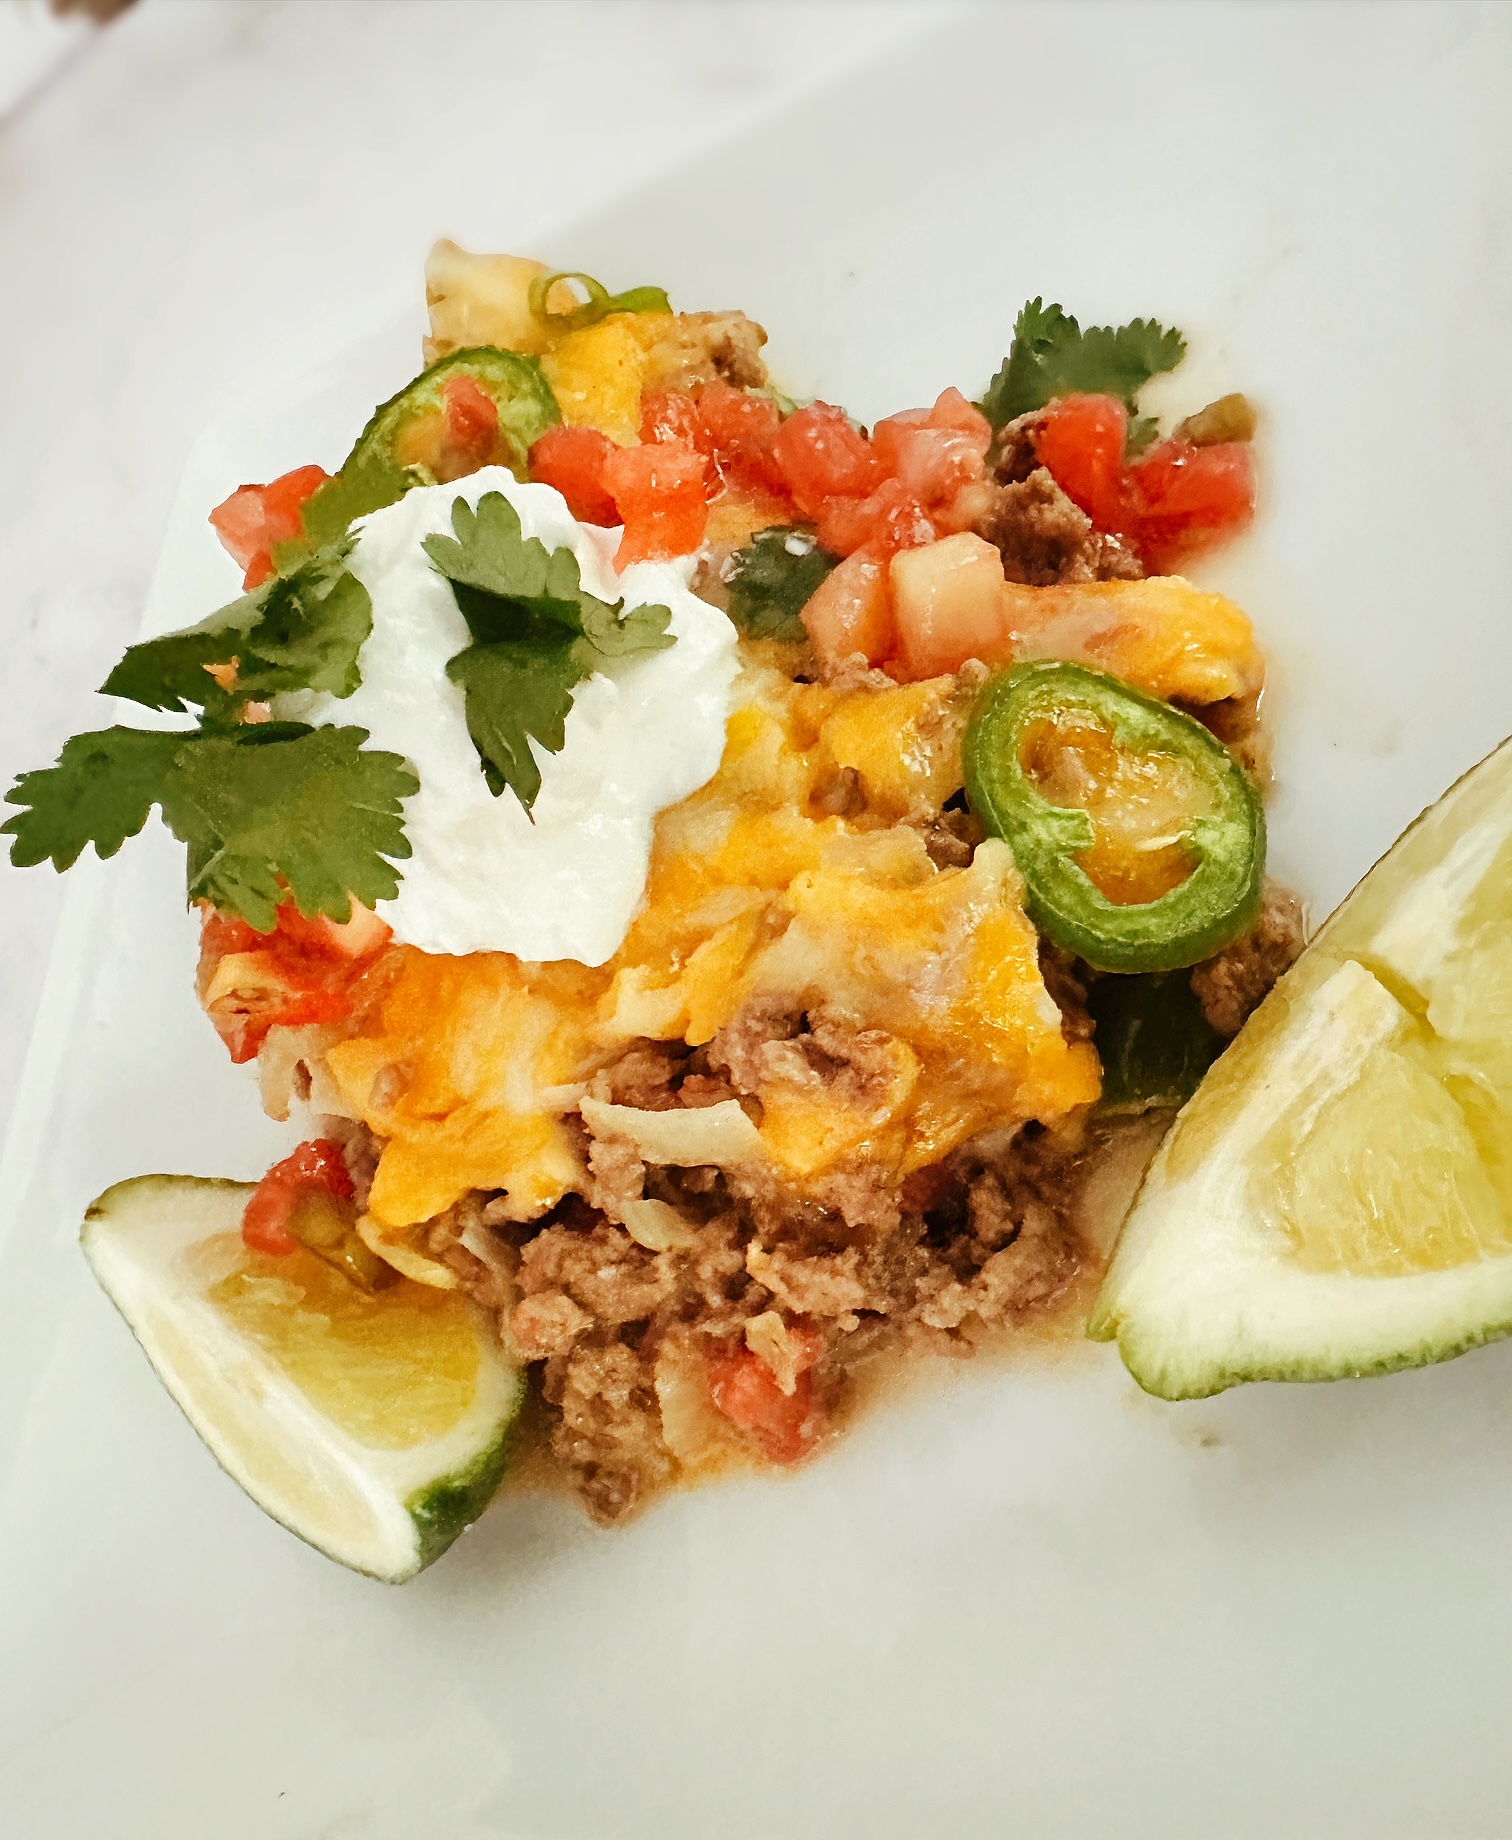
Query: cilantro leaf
point(100, 792)
point(1051, 356)
point(773, 579)
point(367, 482)
point(296, 632)
point(279, 809)
point(537, 633)
point(514, 690)
point(490, 556)
point(267, 811)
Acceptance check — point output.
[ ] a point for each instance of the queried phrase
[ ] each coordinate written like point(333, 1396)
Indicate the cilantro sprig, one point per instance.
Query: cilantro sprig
point(1052, 356)
point(268, 810)
point(297, 632)
point(773, 578)
point(537, 633)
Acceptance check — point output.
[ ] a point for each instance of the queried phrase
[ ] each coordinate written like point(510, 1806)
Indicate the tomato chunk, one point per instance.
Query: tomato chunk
point(1187, 498)
point(948, 603)
point(672, 415)
point(1081, 440)
point(573, 460)
point(785, 1425)
point(851, 611)
point(251, 982)
point(1171, 503)
point(889, 520)
point(254, 520)
point(660, 491)
point(469, 426)
point(315, 1167)
point(741, 430)
point(820, 455)
point(344, 941)
point(936, 451)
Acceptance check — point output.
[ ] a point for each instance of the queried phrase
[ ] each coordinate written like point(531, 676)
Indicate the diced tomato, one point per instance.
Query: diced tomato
point(346, 941)
point(850, 611)
point(254, 520)
point(935, 452)
point(672, 415)
point(953, 410)
point(1081, 441)
point(1186, 498)
point(224, 933)
point(785, 1425)
point(660, 492)
point(573, 460)
point(889, 520)
point(469, 426)
point(820, 455)
point(1172, 502)
point(741, 430)
point(300, 973)
point(315, 1167)
point(947, 600)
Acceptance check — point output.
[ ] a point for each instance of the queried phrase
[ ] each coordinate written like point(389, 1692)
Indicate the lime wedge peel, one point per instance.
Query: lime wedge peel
point(386, 1506)
point(1328, 1204)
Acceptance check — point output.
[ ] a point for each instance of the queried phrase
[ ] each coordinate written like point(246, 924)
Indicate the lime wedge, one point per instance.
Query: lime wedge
point(374, 1426)
point(1337, 1197)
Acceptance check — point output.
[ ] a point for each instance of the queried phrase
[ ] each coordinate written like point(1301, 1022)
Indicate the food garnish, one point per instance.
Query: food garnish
point(1337, 1198)
point(773, 578)
point(1153, 1039)
point(269, 810)
point(536, 632)
point(1051, 356)
point(597, 301)
point(1141, 840)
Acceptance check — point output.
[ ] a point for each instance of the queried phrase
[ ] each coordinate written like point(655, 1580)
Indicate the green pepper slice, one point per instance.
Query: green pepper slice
point(1226, 842)
point(377, 472)
point(516, 383)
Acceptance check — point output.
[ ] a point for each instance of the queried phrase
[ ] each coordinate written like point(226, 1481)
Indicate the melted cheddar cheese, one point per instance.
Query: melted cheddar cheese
point(798, 876)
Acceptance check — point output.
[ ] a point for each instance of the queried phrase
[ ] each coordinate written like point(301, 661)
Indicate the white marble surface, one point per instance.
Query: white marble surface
point(210, 182)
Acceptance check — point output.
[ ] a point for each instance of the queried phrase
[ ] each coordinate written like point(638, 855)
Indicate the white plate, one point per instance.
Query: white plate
point(1035, 1602)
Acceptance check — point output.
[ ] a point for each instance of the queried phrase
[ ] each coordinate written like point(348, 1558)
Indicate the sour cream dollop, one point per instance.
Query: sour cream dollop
point(483, 877)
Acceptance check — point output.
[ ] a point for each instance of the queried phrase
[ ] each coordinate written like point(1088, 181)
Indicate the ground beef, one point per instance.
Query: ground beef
point(1066, 979)
point(1014, 454)
point(1235, 720)
point(608, 1425)
point(734, 344)
point(599, 1267)
point(1046, 539)
point(361, 1151)
point(952, 839)
point(645, 1076)
point(982, 1239)
point(1233, 984)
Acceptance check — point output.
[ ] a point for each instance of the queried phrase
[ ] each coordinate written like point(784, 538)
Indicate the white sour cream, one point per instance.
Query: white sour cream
point(483, 877)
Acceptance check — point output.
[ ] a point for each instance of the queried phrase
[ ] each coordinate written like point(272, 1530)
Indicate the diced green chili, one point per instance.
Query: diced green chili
point(1226, 842)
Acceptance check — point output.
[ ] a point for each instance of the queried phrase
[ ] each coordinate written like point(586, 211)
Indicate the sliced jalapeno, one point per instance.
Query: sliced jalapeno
point(515, 383)
point(1212, 863)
